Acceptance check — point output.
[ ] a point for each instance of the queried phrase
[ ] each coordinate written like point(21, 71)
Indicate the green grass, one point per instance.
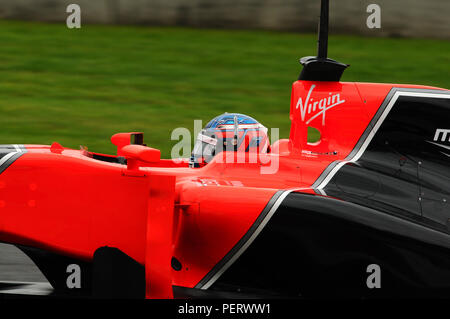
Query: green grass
point(78, 87)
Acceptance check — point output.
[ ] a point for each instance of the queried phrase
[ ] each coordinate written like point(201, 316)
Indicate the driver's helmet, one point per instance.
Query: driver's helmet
point(229, 132)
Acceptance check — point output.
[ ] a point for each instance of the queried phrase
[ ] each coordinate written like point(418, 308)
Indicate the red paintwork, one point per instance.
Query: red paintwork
point(64, 201)
point(158, 271)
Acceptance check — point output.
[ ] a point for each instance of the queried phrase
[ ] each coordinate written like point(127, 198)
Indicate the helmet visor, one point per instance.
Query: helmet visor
point(204, 148)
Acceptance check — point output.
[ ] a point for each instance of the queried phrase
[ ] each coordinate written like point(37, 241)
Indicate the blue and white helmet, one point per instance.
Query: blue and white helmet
point(229, 132)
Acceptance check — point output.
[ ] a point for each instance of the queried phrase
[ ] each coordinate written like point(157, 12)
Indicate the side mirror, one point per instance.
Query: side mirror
point(123, 139)
point(139, 153)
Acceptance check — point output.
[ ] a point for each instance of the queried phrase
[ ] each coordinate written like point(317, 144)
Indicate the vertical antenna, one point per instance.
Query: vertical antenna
point(320, 68)
point(322, 50)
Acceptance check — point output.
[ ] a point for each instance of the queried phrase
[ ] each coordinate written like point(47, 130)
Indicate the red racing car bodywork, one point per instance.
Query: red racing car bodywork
point(304, 219)
point(73, 202)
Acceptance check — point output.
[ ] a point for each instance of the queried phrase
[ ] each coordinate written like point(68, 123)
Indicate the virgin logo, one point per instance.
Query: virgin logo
point(317, 108)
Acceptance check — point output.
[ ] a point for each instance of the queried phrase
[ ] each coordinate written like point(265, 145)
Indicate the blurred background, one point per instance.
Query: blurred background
point(155, 65)
point(401, 18)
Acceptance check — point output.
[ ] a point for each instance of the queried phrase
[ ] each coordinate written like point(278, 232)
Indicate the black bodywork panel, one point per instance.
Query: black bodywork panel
point(321, 247)
point(405, 170)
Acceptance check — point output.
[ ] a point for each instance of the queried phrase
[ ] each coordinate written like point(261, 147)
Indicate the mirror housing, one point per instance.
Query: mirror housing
point(123, 139)
point(139, 153)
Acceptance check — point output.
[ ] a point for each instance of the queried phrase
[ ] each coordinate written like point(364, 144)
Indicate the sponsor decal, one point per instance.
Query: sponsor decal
point(441, 135)
point(310, 109)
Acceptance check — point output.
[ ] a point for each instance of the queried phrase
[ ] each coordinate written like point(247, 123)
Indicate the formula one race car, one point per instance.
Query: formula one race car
point(362, 212)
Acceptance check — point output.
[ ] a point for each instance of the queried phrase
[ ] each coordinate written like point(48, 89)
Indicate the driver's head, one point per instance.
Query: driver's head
point(229, 132)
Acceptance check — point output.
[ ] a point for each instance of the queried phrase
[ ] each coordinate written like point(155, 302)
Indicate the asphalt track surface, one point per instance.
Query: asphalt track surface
point(16, 266)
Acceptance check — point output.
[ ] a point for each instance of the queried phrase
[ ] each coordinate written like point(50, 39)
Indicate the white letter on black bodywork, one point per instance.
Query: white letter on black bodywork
point(374, 279)
point(74, 279)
